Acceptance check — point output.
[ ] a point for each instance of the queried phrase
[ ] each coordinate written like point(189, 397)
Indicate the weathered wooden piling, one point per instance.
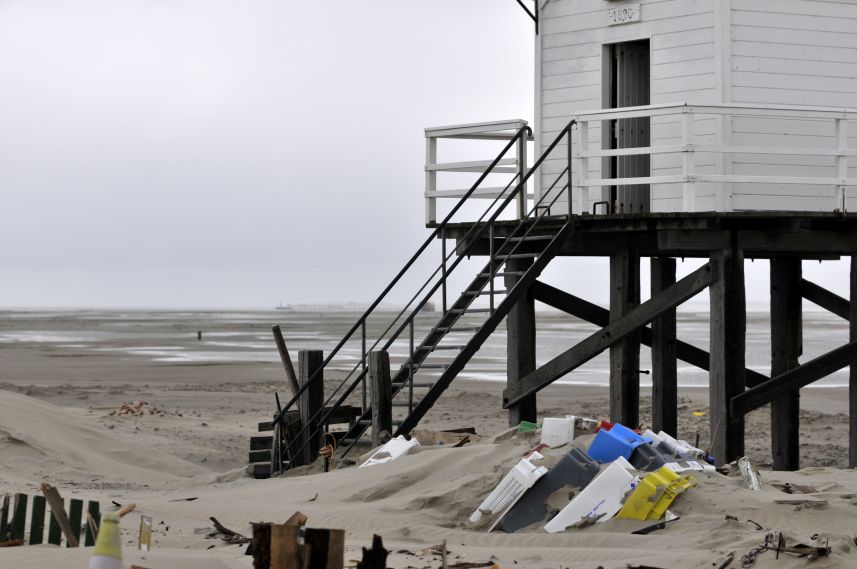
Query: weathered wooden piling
point(664, 353)
point(785, 350)
point(381, 396)
point(311, 402)
point(625, 355)
point(728, 323)
point(852, 379)
point(520, 342)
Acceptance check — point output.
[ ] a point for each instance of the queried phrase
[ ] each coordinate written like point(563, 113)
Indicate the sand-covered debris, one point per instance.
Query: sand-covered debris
point(141, 409)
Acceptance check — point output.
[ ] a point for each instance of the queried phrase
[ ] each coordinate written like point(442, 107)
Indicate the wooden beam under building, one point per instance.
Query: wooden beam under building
point(664, 353)
point(520, 342)
point(829, 301)
point(852, 378)
point(615, 331)
point(585, 310)
point(811, 371)
point(625, 353)
point(786, 348)
point(728, 323)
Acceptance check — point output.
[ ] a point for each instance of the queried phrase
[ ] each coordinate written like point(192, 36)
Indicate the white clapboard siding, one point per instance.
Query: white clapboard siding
point(790, 52)
point(573, 33)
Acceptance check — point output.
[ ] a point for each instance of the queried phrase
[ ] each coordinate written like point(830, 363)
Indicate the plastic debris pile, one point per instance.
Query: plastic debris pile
point(609, 472)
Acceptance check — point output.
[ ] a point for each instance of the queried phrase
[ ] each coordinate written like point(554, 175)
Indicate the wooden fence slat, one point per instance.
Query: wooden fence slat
point(94, 510)
point(75, 512)
point(19, 517)
point(4, 517)
point(37, 521)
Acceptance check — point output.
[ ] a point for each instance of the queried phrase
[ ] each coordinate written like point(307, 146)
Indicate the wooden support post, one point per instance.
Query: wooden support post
point(664, 353)
point(726, 374)
point(785, 351)
point(37, 521)
point(625, 355)
point(311, 403)
point(520, 343)
point(852, 381)
point(381, 397)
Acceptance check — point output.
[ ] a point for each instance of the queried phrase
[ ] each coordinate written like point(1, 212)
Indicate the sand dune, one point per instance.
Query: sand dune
point(40, 441)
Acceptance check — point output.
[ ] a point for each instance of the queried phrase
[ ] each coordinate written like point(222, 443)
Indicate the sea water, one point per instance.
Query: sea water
point(244, 336)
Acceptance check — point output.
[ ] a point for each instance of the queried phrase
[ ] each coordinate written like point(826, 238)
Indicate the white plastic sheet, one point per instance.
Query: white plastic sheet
point(393, 449)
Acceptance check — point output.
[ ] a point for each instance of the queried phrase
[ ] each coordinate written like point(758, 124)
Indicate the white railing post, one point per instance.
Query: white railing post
point(688, 163)
point(841, 164)
point(582, 159)
point(522, 170)
point(431, 179)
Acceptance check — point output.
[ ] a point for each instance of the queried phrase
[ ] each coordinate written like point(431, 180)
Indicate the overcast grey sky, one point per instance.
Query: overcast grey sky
point(213, 153)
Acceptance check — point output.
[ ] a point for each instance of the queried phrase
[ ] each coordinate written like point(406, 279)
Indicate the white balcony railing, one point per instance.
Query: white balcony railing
point(511, 166)
point(725, 157)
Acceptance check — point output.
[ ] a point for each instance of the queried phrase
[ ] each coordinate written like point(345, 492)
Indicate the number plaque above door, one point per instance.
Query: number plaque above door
point(623, 15)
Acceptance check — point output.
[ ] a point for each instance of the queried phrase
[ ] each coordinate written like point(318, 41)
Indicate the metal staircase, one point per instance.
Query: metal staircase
point(533, 237)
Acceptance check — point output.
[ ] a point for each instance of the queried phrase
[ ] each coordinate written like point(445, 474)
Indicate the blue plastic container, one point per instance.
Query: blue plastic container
point(618, 441)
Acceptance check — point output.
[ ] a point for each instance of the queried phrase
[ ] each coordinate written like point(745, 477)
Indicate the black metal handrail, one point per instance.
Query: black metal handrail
point(514, 233)
point(434, 234)
point(479, 229)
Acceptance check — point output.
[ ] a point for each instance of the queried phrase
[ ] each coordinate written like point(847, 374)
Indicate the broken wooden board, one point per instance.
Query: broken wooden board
point(52, 496)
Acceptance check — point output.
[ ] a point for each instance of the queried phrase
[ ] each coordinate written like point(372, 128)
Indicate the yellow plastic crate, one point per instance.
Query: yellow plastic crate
point(654, 494)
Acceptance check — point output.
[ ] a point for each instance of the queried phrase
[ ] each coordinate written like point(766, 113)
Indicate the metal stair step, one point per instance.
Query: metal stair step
point(469, 310)
point(416, 385)
point(503, 274)
point(368, 422)
point(462, 329)
point(483, 292)
point(436, 347)
point(532, 238)
point(433, 366)
point(523, 256)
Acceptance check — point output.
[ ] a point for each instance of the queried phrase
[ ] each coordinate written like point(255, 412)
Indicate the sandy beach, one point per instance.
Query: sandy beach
point(58, 424)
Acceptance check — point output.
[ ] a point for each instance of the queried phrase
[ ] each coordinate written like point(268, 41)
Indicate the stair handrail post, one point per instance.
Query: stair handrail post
point(363, 359)
point(411, 365)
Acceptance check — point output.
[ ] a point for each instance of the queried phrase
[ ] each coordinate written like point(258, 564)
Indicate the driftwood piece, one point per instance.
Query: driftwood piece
point(125, 510)
point(227, 534)
point(375, 558)
point(52, 496)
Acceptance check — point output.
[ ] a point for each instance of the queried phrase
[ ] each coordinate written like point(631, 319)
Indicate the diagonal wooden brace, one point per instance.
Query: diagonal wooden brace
point(578, 355)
